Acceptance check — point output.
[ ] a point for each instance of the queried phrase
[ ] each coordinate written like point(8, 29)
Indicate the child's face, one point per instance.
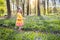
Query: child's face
point(19, 10)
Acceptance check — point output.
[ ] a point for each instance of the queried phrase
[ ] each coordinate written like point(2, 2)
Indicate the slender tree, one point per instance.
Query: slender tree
point(28, 7)
point(47, 6)
point(55, 9)
point(17, 3)
point(44, 6)
point(38, 8)
point(23, 4)
point(13, 5)
point(8, 8)
point(35, 6)
point(54, 4)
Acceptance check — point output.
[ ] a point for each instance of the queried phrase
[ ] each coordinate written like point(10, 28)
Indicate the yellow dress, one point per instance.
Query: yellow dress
point(19, 21)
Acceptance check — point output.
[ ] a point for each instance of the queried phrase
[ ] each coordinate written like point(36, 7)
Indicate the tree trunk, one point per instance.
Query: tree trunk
point(48, 6)
point(8, 8)
point(54, 4)
point(38, 8)
point(28, 7)
point(23, 6)
point(23, 9)
point(44, 7)
point(17, 3)
point(35, 6)
point(13, 5)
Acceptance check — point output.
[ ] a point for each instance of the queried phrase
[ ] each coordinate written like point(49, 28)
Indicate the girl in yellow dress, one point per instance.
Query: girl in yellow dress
point(19, 21)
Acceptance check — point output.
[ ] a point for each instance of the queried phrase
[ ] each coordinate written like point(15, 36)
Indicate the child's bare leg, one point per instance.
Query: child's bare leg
point(20, 28)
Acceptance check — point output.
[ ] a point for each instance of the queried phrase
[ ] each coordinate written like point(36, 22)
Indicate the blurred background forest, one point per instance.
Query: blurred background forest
point(30, 7)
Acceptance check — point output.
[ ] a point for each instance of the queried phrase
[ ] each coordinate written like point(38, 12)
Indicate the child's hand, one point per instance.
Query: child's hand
point(24, 18)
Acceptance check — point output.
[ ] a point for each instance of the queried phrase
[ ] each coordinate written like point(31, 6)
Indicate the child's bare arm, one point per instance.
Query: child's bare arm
point(24, 18)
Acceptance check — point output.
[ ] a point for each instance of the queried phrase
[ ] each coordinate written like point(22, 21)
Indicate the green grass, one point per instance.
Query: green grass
point(35, 23)
point(42, 24)
point(10, 34)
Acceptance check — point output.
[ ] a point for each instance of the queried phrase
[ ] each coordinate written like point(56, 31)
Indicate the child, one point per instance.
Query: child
point(19, 21)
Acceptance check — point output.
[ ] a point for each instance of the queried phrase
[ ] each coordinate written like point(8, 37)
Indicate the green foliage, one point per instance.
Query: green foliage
point(2, 7)
point(1, 21)
point(8, 23)
point(5, 33)
point(36, 24)
point(40, 24)
point(9, 34)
